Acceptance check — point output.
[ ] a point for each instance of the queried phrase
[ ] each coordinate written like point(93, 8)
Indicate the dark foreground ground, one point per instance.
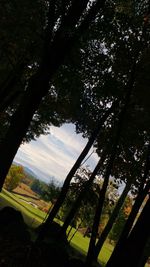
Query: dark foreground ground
point(17, 248)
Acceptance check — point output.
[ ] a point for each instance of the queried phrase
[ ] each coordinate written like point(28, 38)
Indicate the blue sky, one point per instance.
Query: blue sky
point(54, 154)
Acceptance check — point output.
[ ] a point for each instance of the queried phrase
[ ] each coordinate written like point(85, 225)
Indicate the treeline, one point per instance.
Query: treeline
point(48, 192)
point(18, 174)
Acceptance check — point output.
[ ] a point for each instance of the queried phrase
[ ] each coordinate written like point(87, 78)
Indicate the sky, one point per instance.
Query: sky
point(54, 154)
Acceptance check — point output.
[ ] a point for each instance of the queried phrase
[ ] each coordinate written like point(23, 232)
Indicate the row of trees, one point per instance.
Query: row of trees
point(48, 192)
point(89, 66)
point(17, 174)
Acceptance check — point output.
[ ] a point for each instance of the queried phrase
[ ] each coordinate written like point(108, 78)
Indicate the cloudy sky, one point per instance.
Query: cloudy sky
point(54, 154)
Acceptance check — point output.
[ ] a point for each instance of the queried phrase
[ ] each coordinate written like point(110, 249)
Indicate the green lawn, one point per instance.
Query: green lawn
point(81, 244)
point(33, 217)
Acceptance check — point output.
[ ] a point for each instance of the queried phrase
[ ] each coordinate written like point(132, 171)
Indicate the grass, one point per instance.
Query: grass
point(34, 217)
point(81, 244)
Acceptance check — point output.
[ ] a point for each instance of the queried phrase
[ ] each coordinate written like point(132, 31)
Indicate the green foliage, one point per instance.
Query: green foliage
point(38, 186)
point(96, 71)
point(14, 177)
point(21, 31)
point(48, 192)
point(86, 212)
point(121, 219)
point(51, 192)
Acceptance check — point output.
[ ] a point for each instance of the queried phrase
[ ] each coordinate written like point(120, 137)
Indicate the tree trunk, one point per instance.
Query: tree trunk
point(76, 230)
point(137, 239)
point(19, 125)
point(145, 255)
point(116, 257)
point(113, 217)
point(10, 89)
point(79, 199)
point(70, 175)
point(91, 251)
point(91, 255)
point(143, 260)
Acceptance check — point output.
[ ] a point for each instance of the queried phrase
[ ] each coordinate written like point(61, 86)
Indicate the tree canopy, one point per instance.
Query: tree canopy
point(14, 177)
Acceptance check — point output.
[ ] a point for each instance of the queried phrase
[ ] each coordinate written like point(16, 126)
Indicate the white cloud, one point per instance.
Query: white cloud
point(54, 154)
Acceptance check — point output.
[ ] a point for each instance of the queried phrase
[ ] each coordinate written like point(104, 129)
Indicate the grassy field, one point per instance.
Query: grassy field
point(33, 217)
point(81, 244)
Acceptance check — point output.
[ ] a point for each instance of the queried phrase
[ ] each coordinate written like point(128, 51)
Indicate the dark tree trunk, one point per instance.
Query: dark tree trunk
point(91, 251)
point(19, 125)
point(91, 255)
point(13, 87)
point(112, 219)
point(70, 175)
point(116, 257)
point(143, 260)
point(137, 239)
point(146, 255)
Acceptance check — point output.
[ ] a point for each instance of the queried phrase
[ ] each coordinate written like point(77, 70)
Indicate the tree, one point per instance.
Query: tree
point(137, 239)
point(145, 257)
point(58, 42)
point(38, 186)
point(122, 217)
point(112, 219)
point(19, 46)
point(142, 193)
point(51, 191)
point(83, 197)
point(15, 174)
point(135, 54)
point(93, 9)
point(70, 175)
point(91, 255)
point(86, 189)
point(124, 43)
point(48, 192)
point(84, 211)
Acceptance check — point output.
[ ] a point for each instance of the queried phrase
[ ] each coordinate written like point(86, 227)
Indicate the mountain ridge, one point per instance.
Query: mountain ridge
point(27, 170)
point(34, 176)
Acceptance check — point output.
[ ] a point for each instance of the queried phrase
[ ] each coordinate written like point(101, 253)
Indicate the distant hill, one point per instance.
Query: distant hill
point(30, 175)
